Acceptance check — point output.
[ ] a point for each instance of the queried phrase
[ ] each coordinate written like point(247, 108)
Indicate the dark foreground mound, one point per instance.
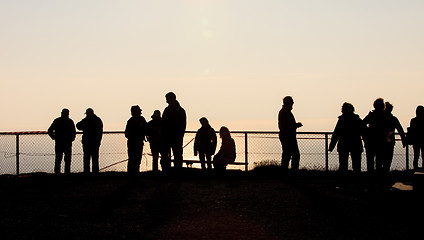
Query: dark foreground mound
point(261, 204)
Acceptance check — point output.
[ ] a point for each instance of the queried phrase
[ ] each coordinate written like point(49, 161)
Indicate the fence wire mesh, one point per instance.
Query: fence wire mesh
point(22, 153)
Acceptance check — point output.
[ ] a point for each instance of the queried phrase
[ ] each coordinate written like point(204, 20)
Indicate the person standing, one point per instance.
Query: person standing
point(393, 124)
point(174, 121)
point(135, 132)
point(288, 127)
point(347, 135)
point(153, 135)
point(205, 143)
point(376, 136)
point(92, 133)
point(63, 132)
point(416, 135)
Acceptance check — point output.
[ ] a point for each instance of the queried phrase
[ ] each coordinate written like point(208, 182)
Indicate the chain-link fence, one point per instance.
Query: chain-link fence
point(34, 152)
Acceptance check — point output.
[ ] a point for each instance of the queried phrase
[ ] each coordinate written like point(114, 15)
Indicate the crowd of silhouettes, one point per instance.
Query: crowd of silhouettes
point(165, 135)
point(377, 131)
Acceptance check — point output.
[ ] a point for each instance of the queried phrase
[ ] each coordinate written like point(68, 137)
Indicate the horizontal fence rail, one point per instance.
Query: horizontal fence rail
point(32, 152)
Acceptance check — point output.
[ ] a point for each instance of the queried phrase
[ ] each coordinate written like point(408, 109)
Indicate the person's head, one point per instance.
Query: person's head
point(379, 104)
point(204, 121)
point(65, 112)
point(170, 98)
point(224, 132)
point(89, 112)
point(388, 107)
point(347, 108)
point(288, 101)
point(156, 114)
point(135, 110)
point(420, 111)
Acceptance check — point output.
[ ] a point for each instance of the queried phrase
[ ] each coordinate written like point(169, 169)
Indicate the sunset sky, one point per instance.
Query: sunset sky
point(231, 61)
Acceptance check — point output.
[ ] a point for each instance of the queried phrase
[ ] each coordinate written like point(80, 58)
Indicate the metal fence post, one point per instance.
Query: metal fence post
point(326, 151)
point(246, 168)
point(407, 157)
point(17, 154)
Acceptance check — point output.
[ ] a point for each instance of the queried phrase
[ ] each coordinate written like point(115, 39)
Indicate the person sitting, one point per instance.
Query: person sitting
point(227, 152)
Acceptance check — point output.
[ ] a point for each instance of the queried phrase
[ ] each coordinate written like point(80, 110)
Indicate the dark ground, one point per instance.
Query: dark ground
point(260, 204)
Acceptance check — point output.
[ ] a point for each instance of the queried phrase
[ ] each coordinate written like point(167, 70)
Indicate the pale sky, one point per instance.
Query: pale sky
point(231, 61)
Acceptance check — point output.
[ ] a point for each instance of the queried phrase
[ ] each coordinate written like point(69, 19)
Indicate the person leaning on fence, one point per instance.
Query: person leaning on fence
point(205, 143)
point(347, 135)
point(288, 126)
point(135, 132)
point(92, 133)
point(393, 124)
point(63, 132)
point(416, 135)
point(153, 135)
point(227, 152)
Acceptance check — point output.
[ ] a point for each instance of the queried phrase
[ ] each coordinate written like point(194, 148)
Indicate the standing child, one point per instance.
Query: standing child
point(205, 143)
point(153, 134)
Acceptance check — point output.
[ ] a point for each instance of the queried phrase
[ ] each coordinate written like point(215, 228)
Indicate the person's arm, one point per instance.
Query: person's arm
point(399, 128)
point(51, 130)
point(334, 137)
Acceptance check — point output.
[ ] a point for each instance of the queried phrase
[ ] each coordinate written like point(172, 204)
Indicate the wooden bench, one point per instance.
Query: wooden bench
point(189, 163)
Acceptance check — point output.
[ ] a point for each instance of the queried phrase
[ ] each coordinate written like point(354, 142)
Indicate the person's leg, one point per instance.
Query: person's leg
point(132, 157)
point(285, 156)
point(295, 155)
point(387, 161)
point(155, 160)
point(209, 161)
point(370, 154)
point(202, 160)
point(87, 155)
point(58, 158)
point(95, 159)
point(177, 150)
point(356, 161)
point(68, 157)
point(343, 161)
point(165, 154)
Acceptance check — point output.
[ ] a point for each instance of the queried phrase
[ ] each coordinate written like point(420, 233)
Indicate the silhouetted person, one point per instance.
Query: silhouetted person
point(174, 126)
point(153, 134)
point(227, 152)
point(135, 132)
point(348, 136)
point(63, 132)
point(205, 143)
point(92, 133)
point(288, 125)
point(376, 136)
point(416, 135)
point(393, 124)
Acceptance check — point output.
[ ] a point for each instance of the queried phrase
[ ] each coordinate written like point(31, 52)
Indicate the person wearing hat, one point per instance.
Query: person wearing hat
point(92, 133)
point(135, 132)
point(153, 135)
point(63, 132)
